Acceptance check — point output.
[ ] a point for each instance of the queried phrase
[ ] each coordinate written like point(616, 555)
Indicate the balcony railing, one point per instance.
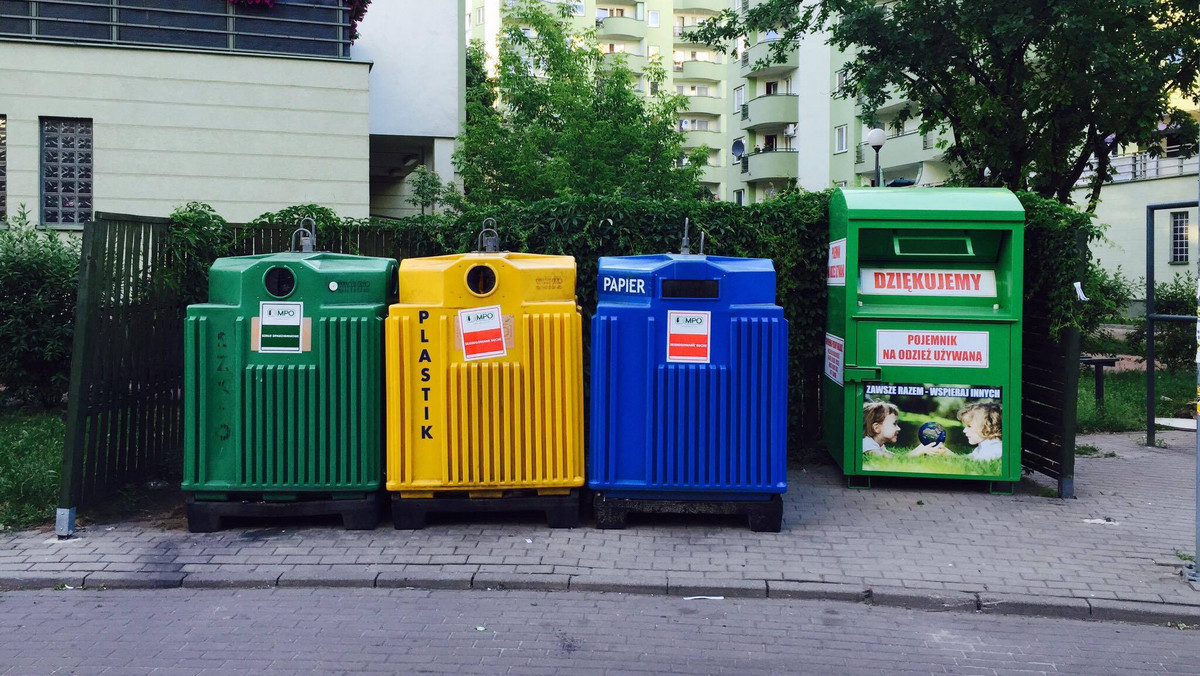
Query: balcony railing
point(1141, 166)
point(301, 27)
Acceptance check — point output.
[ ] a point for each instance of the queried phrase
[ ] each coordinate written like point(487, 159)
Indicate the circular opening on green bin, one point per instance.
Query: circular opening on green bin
point(280, 282)
point(481, 280)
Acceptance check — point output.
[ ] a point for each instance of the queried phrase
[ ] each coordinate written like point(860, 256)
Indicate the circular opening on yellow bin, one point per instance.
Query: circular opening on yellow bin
point(280, 282)
point(481, 280)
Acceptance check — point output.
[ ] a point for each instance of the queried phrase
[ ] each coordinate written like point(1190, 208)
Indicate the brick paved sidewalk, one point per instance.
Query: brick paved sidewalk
point(914, 544)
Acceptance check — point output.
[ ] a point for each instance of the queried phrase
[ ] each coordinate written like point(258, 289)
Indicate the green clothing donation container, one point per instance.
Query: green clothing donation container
point(923, 346)
point(283, 388)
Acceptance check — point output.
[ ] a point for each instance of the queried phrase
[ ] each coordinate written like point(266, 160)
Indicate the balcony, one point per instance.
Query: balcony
point(702, 137)
point(772, 110)
point(770, 165)
point(296, 27)
point(695, 6)
point(1141, 166)
point(680, 33)
point(711, 105)
point(620, 28)
point(761, 51)
point(909, 148)
point(699, 70)
point(635, 62)
point(712, 175)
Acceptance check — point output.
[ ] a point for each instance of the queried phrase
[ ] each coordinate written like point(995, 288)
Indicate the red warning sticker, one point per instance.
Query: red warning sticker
point(482, 333)
point(687, 336)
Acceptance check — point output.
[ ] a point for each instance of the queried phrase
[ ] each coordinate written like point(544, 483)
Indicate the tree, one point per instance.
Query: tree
point(569, 122)
point(1033, 92)
point(427, 189)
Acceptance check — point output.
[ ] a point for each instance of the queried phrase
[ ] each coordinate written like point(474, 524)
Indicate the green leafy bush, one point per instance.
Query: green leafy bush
point(39, 275)
point(1054, 261)
point(1174, 342)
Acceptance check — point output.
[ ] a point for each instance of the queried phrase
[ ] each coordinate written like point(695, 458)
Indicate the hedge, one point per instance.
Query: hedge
point(792, 230)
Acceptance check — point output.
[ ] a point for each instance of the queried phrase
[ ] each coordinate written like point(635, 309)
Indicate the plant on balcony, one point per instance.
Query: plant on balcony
point(358, 9)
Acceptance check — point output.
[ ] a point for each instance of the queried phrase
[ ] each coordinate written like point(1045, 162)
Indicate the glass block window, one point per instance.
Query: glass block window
point(66, 170)
point(1179, 236)
point(3, 167)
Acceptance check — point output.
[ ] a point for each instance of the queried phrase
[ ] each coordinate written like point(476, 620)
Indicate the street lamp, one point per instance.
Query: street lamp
point(875, 139)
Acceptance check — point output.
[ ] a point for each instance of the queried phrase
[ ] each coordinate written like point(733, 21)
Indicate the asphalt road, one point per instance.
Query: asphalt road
point(326, 631)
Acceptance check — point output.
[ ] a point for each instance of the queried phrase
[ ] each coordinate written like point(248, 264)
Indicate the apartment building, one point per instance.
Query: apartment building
point(134, 107)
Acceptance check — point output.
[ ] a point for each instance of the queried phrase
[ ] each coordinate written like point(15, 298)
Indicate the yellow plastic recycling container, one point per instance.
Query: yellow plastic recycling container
point(485, 376)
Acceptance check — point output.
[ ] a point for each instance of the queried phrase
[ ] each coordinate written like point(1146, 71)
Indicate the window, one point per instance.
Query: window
point(772, 88)
point(652, 18)
point(702, 90)
point(739, 97)
point(3, 166)
point(770, 142)
point(653, 87)
point(840, 83)
point(66, 170)
point(840, 184)
point(577, 8)
point(739, 197)
point(1179, 236)
point(652, 51)
point(479, 17)
point(840, 141)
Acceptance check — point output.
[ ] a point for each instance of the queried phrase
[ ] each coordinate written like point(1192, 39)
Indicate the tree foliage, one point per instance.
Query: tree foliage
point(1033, 92)
point(569, 122)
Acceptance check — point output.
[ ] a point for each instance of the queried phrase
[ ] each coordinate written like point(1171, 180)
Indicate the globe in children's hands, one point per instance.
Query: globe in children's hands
point(931, 434)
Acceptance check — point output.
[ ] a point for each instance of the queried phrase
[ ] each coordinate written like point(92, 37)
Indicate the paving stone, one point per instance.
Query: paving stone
point(633, 583)
point(433, 578)
point(117, 580)
point(306, 577)
point(547, 581)
point(1152, 613)
point(1033, 605)
point(230, 580)
point(727, 588)
point(785, 589)
point(905, 597)
point(29, 580)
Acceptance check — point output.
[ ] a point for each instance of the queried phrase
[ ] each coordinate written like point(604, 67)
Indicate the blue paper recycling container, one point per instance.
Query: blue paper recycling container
point(689, 380)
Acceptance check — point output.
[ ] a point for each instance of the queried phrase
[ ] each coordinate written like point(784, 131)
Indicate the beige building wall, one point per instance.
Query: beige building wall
point(245, 133)
point(1123, 210)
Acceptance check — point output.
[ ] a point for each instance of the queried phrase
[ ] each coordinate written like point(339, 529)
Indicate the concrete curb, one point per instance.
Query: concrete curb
point(648, 584)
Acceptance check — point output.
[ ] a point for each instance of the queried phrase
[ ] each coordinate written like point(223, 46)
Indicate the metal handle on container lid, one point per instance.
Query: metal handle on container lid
point(307, 235)
point(488, 243)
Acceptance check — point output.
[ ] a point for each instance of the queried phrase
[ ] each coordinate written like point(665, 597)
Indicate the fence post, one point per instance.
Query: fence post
point(71, 483)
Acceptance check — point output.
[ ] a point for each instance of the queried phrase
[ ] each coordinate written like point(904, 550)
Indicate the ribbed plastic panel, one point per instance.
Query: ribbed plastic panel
point(305, 427)
point(510, 424)
point(709, 426)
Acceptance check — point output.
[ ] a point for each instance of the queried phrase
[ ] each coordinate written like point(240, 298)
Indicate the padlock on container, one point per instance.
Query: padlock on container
point(485, 386)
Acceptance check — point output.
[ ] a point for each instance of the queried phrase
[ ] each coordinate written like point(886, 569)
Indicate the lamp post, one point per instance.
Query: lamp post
point(876, 139)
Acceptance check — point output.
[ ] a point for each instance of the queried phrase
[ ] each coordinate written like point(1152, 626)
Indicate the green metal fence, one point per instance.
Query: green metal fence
point(1050, 388)
point(125, 405)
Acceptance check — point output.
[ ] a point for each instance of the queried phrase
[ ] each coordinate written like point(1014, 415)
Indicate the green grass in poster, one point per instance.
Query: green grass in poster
point(927, 464)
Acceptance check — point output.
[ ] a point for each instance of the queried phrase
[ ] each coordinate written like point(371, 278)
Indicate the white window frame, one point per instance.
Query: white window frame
point(739, 97)
point(841, 139)
point(653, 18)
point(479, 16)
point(1180, 224)
point(739, 197)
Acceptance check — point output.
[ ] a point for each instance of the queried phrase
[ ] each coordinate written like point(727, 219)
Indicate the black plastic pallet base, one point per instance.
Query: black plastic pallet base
point(205, 516)
point(765, 516)
point(562, 511)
